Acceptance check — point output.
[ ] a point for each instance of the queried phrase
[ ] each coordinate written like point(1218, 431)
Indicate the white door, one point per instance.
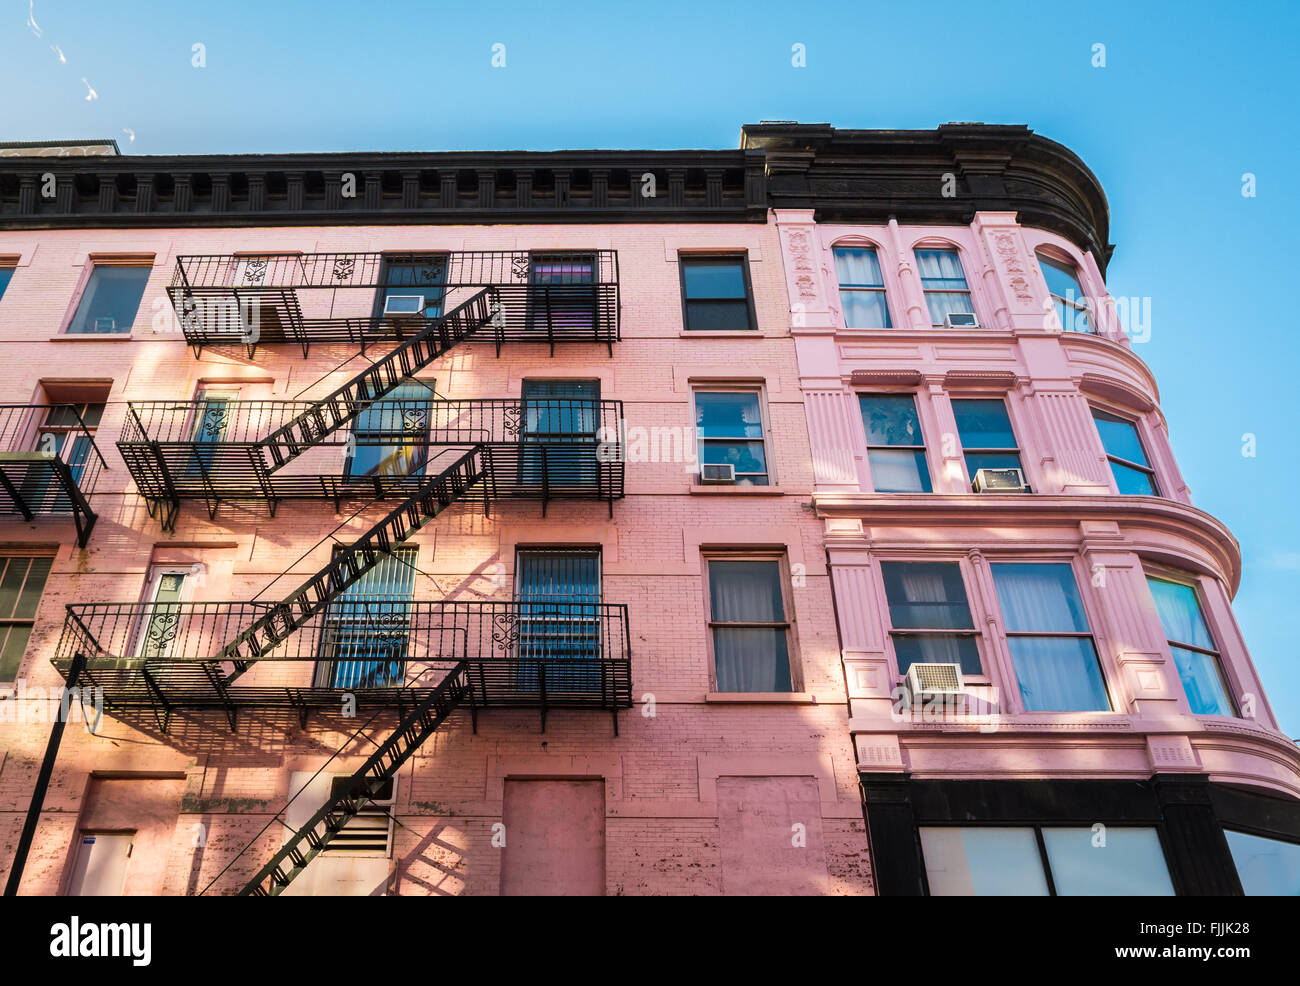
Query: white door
point(100, 867)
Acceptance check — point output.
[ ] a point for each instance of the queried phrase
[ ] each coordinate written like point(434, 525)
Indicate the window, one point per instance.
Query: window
point(163, 614)
point(424, 277)
point(1192, 647)
point(986, 436)
point(62, 434)
point(862, 288)
point(1266, 867)
point(944, 284)
point(22, 578)
point(1067, 296)
point(558, 593)
point(749, 627)
point(562, 295)
point(392, 435)
point(895, 448)
point(558, 432)
point(1128, 460)
point(1047, 632)
point(210, 422)
point(715, 294)
point(110, 300)
point(991, 861)
point(367, 629)
point(930, 617)
point(729, 429)
point(6, 275)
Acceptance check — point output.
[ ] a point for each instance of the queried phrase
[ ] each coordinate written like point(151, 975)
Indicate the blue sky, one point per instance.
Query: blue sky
point(1192, 97)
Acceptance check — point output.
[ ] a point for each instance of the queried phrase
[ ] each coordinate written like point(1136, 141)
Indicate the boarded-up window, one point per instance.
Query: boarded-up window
point(770, 831)
point(555, 838)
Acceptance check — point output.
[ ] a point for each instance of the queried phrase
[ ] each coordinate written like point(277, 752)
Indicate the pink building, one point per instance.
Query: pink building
point(1003, 516)
point(607, 522)
point(411, 617)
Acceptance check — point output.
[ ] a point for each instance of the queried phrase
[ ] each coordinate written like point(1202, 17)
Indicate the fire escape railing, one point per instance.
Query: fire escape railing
point(523, 654)
point(540, 448)
point(249, 300)
point(49, 463)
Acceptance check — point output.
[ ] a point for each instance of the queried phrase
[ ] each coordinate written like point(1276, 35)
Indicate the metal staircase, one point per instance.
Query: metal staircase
point(309, 841)
point(149, 464)
point(349, 565)
point(382, 377)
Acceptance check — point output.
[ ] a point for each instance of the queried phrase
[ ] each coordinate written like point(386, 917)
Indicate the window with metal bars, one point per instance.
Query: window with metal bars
point(558, 596)
point(366, 631)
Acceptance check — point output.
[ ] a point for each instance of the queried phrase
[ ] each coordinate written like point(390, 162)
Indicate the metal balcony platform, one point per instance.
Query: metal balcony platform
point(536, 449)
point(49, 463)
point(519, 655)
point(329, 298)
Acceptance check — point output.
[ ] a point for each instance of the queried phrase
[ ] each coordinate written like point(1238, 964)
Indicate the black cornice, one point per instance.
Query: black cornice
point(867, 176)
point(857, 176)
point(390, 188)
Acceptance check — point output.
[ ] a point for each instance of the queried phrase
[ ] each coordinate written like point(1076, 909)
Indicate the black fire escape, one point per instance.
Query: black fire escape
point(420, 660)
point(48, 464)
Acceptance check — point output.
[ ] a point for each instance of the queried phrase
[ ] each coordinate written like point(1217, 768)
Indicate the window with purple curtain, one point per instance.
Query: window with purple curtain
point(1047, 632)
point(747, 620)
point(1192, 648)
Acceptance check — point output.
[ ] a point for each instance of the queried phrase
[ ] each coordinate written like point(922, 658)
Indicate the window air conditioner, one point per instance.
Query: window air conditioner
point(717, 472)
point(935, 679)
point(404, 304)
point(105, 323)
point(961, 320)
point(999, 481)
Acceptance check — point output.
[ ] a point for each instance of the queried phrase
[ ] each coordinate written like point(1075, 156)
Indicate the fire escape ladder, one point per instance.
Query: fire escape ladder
point(314, 836)
point(384, 375)
point(349, 565)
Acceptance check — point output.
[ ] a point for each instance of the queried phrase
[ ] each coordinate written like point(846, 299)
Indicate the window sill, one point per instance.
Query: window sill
point(721, 334)
point(92, 337)
point(761, 698)
point(724, 489)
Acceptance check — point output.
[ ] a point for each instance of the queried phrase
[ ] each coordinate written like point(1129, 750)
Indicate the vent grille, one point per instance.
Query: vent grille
point(932, 678)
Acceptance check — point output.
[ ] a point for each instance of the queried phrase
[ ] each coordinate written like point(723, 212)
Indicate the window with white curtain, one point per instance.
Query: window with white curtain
point(749, 625)
point(1051, 644)
point(895, 447)
point(1192, 647)
point(944, 284)
point(862, 288)
point(1067, 295)
point(929, 617)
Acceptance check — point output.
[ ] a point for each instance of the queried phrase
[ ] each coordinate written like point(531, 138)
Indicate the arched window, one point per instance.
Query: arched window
point(862, 288)
point(1067, 296)
point(945, 287)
